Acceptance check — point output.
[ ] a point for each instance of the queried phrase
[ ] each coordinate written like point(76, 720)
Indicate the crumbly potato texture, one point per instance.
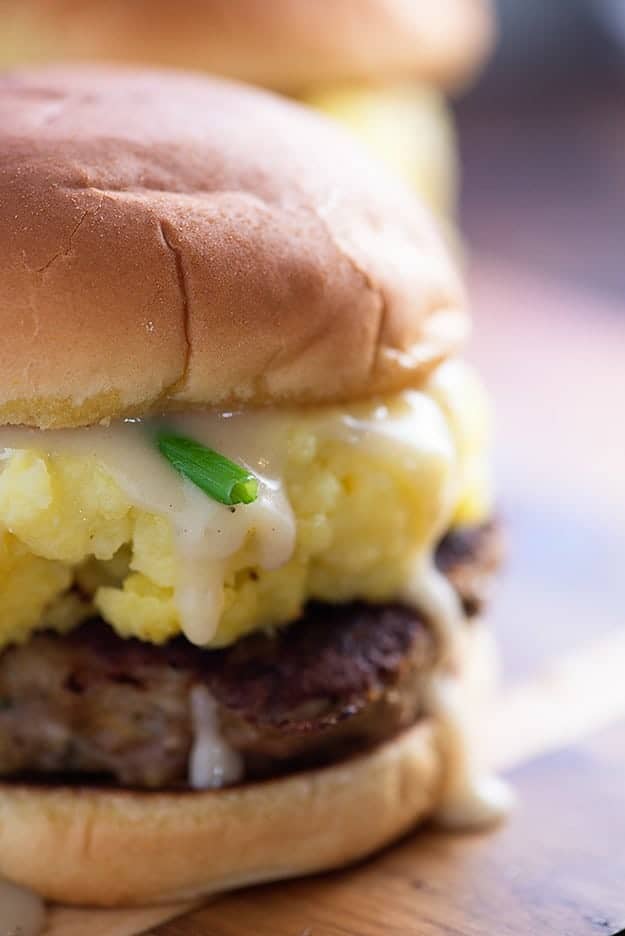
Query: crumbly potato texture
point(72, 544)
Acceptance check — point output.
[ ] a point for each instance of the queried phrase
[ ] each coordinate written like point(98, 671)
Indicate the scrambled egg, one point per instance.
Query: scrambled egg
point(71, 541)
point(408, 127)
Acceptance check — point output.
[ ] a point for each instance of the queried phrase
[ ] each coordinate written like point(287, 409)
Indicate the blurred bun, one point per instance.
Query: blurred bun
point(283, 44)
point(170, 241)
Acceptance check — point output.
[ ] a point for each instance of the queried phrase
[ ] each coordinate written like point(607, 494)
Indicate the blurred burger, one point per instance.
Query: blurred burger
point(380, 66)
point(245, 514)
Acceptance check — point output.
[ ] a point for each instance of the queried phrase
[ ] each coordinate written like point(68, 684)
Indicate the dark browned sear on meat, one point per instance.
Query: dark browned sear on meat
point(340, 679)
point(469, 557)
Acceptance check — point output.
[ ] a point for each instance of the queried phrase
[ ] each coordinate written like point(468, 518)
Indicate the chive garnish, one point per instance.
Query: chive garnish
point(216, 475)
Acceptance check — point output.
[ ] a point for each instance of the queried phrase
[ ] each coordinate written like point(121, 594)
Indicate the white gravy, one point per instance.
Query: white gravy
point(21, 912)
point(213, 763)
point(472, 797)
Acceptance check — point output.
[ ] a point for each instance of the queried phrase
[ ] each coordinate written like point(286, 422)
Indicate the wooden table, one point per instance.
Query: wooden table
point(555, 361)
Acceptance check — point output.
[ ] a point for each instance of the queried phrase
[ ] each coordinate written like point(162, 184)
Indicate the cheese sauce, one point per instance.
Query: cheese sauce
point(208, 533)
point(21, 912)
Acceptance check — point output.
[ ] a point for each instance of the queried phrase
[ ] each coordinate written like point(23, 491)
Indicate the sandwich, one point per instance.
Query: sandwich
point(382, 67)
point(246, 522)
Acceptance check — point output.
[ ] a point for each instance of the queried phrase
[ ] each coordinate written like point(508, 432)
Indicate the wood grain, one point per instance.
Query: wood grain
point(556, 868)
point(64, 922)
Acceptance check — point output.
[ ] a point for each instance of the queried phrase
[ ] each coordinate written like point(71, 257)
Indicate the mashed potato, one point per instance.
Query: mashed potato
point(408, 127)
point(71, 540)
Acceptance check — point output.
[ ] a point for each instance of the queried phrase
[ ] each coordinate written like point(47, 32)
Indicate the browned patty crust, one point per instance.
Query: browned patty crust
point(341, 679)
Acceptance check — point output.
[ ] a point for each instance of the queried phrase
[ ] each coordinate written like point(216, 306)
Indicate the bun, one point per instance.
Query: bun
point(280, 44)
point(171, 241)
point(121, 847)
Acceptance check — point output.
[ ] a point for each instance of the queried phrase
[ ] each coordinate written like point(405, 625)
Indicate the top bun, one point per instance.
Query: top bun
point(288, 45)
point(168, 240)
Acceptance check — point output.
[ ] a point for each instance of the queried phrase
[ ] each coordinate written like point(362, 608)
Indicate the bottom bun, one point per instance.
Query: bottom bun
point(106, 847)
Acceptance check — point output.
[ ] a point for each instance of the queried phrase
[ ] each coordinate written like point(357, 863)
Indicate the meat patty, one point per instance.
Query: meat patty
point(340, 679)
point(469, 557)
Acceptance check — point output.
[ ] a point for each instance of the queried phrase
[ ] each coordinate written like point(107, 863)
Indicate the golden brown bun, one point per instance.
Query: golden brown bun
point(283, 44)
point(107, 848)
point(169, 240)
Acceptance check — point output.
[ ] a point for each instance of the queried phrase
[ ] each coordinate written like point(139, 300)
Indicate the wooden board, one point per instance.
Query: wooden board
point(551, 869)
point(64, 922)
point(554, 361)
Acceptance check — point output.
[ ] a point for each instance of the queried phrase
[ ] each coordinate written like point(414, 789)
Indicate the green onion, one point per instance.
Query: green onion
point(216, 475)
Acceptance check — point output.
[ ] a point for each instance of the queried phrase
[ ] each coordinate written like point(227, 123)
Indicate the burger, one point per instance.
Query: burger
point(245, 512)
point(382, 67)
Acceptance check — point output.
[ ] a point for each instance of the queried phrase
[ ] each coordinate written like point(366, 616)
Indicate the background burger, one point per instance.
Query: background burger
point(382, 67)
point(245, 516)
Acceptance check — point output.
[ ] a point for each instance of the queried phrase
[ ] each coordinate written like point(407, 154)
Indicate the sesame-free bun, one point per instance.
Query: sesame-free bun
point(104, 847)
point(283, 44)
point(123, 848)
point(168, 240)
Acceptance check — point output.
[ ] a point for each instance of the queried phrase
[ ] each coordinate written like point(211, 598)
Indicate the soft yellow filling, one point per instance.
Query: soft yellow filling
point(362, 512)
point(408, 127)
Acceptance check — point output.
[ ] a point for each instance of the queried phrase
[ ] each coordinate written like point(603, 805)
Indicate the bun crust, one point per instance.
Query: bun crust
point(124, 848)
point(170, 241)
point(281, 44)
